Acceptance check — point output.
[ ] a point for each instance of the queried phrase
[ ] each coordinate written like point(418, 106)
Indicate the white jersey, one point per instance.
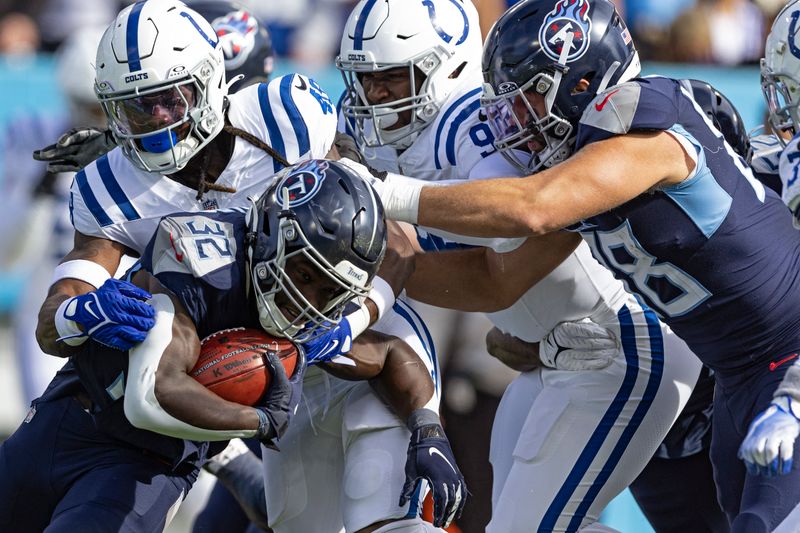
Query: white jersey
point(448, 147)
point(113, 199)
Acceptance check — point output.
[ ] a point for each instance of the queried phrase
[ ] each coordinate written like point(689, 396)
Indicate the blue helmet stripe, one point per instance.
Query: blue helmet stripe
point(295, 117)
point(601, 432)
point(275, 136)
point(443, 121)
point(91, 201)
point(114, 189)
point(358, 38)
point(132, 37)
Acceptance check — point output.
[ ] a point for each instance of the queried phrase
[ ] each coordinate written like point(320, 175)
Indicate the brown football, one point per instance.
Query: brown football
point(233, 363)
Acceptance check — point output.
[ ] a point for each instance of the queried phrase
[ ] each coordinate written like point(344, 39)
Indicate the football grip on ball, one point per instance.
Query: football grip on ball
point(233, 363)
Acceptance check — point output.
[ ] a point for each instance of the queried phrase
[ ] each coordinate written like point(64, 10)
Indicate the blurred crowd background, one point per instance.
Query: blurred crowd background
point(46, 76)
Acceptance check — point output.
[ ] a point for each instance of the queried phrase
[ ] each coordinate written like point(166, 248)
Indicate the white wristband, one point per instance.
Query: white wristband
point(68, 330)
point(358, 320)
point(400, 197)
point(382, 295)
point(81, 269)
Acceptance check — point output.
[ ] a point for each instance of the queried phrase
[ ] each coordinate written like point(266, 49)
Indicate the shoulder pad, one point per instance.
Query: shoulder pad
point(198, 245)
point(614, 109)
point(453, 124)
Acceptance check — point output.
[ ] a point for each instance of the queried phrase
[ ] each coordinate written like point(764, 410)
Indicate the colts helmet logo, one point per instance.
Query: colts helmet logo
point(568, 16)
point(237, 34)
point(446, 37)
point(303, 183)
point(793, 34)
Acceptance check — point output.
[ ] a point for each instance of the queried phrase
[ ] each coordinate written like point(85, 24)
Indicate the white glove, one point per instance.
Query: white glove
point(768, 448)
point(581, 345)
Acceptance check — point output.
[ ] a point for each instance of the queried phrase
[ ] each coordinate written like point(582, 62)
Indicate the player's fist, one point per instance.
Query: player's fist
point(116, 315)
point(581, 345)
point(768, 447)
point(281, 400)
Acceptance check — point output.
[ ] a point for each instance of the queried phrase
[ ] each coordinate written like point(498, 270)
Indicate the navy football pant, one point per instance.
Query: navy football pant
point(59, 474)
point(754, 504)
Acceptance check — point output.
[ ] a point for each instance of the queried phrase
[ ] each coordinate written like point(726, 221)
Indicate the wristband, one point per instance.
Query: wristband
point(83, 270)
point(264, 425)
point(359, 320)
point(400, 197)
point(382, 295)
point(68, 330)
point(422, 417)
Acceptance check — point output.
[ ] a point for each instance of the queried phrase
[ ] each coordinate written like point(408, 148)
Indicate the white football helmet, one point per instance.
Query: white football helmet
point(439, 39)
point(160, 76)
point(780, 71)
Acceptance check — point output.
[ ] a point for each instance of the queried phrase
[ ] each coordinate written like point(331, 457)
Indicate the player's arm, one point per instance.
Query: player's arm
point(600, 176)
point(161, 396)
point(85, 269)
point(480, 279)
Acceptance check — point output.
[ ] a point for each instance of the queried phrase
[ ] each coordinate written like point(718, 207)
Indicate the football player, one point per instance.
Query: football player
point(640, 172)
point(559, 453)
point(276, 266)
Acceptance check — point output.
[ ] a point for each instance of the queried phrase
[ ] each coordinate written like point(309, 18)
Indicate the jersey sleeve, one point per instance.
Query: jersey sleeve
point(461, 137)
point(194, 256)
point(298, 118)
point(99, 204)
point(647, 104)
point(765, 161)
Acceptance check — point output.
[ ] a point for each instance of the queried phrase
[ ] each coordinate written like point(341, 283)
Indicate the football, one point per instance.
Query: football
point(233, 363)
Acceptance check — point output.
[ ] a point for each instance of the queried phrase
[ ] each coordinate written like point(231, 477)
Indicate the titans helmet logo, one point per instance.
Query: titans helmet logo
point(237, 34)
point(302, 183)
point(568, 16)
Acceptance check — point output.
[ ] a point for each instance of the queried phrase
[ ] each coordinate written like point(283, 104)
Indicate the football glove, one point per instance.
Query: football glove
point(581, 345)
point(281, 400)
point(430, 458)
point(768, 447)
point(115, 315)
point(75, 149)
point(333, 342)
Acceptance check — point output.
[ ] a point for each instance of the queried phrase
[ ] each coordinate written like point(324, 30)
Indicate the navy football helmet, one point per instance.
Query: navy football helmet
point(323, 215)
point(547, 47)
point(246, 43)
point(722, 113)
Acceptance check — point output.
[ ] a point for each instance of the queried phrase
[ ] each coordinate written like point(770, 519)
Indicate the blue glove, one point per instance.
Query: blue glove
point(333, 342)
point(115, 315)
point(430, 457)
point(768, 448)
point(281, 400)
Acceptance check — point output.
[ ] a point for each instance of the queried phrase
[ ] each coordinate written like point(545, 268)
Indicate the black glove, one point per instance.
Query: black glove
point(281, 400)
point(76, 149)
point(430, 457)
point(347, 147)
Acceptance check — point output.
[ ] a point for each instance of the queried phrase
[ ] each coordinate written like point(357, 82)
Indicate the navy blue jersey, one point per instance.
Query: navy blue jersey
point(200, 259)
point(716, 255)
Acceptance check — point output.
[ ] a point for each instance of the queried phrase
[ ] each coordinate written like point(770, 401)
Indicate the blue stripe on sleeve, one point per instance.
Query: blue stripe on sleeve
point(275, 137)
point(295, 117)
point(450, 144)
point(114, 189)
point(443, 121)
point(419, 327)
point(91, 201)
point(132, 37)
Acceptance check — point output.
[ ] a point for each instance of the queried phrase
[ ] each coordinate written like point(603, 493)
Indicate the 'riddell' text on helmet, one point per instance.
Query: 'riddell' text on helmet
point(160, 77)
point(552, 48)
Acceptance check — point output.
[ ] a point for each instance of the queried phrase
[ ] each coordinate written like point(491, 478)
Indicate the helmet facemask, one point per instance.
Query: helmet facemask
point(782, 94)
point(513, 133)
point(373, 125)
point(276, 287)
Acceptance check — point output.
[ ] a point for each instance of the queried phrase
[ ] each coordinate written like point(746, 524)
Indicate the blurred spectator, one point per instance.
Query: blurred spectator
point(703, 33)
point(19, 35)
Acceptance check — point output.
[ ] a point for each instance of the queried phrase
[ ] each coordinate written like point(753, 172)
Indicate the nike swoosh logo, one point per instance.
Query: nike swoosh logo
point(602, 104)
point(302, 85)
point(88, 308)
point(775, 364)
point(432, 451)
point(328, 349)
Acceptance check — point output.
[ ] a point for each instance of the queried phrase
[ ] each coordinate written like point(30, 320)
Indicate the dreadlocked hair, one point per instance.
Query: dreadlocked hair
point(255, 141)
point(205, 185)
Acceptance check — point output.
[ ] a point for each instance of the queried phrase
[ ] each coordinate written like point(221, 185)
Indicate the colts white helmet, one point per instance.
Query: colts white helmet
point(437, 39)
point(160, 76)
point(780, 71)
